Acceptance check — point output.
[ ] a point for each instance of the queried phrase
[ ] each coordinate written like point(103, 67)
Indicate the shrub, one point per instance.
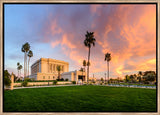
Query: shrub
point(58, 79)
point(90, 83)
point(73, 82)
point(66, 79)
point(7, 81)
point(54, 82)
point(62, 79)
point(27, 79)
point(25, 83)
point(146, 82)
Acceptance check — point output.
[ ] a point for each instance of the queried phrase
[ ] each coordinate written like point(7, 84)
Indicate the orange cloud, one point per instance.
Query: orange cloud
point(128, 32)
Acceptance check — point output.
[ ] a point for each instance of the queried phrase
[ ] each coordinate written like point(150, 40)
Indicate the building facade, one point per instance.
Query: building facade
point(77, 76)
point(46, 69)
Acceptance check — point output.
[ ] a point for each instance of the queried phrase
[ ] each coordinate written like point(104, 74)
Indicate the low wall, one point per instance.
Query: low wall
point(42, 83)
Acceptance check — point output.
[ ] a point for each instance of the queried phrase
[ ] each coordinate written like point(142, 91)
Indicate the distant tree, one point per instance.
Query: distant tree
point(118, 79)
point(146, 72)
point(102, 79)
point(140, 76)
point(84, 64)
point(150, 77)
point(18, 64)
point(7, 76)
point(131, 77)
point(88, 42)
point(127, 78)
point(30, 54)
point(108, 58)
point(20, 67)
point(81, 69)
point(59, 69)
point(88, 64)
point(111, 80)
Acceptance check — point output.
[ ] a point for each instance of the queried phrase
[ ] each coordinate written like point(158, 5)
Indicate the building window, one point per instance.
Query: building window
point(53, 77)
point(48, 77)
point(43, 77)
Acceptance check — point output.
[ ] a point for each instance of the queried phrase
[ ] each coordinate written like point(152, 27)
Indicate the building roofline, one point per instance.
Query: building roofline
point(49, 59)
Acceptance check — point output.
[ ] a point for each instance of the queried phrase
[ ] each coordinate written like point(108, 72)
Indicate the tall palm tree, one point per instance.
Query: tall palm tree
point(59, 69)
point(18, 68)
point(25, 48)
point(30, 54)
point(88, 42)
point(108, 58)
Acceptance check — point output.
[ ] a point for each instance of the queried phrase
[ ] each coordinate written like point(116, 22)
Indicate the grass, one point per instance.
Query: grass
point(81, 98)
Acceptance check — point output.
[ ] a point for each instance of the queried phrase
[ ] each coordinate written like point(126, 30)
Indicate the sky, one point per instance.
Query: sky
point(127, 31)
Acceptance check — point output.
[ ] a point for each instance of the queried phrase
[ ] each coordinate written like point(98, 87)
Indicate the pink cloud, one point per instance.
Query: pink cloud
point(128, 32)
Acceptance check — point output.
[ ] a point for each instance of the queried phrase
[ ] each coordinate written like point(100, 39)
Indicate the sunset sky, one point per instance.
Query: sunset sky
point(127, 31)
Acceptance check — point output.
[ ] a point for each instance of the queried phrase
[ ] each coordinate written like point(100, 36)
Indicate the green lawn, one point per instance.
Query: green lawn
point(81, 98)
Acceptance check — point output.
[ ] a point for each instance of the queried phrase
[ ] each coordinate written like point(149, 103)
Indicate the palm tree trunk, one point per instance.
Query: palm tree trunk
point(88, 66)
point(20, 72)
point(59, 74)
point(28, 65)
point(24, 63)
point(108, 71)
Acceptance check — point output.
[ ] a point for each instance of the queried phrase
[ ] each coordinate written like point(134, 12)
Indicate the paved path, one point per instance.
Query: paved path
point(129, 86)
point(43, 86)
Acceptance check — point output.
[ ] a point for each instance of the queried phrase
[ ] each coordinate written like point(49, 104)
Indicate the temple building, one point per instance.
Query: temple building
point(46, 69)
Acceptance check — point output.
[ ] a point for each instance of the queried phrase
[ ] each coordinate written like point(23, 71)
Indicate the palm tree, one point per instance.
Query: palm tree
point(25, 48)
point(88, 63)
point(18, 68)
point(30, 54)
point(89, 40)
point(107, 58)
point(59, 69)
point(84, 65)
point(139, 76)
point(131, 77)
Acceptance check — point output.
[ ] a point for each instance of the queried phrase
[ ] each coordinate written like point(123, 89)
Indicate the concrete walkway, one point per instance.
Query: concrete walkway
point(111, 85)
point(44, 86)
point(131, 86)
